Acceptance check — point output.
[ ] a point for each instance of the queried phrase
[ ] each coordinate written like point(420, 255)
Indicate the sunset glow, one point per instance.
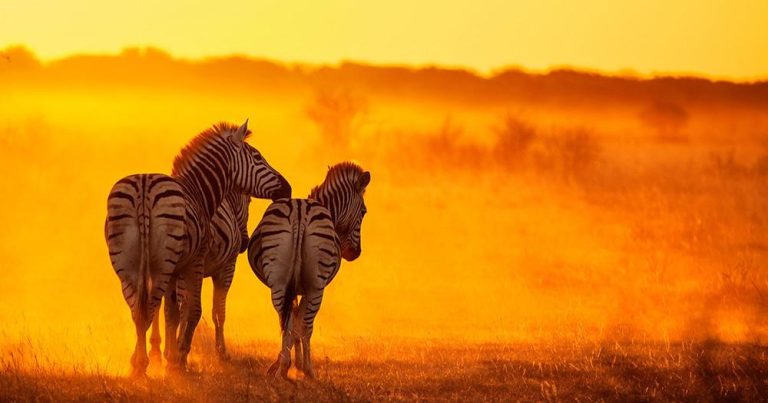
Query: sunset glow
point(566, 199)
point(718, 39)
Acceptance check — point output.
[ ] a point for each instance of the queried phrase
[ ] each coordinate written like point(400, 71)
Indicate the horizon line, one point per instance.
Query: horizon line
point(625, 73)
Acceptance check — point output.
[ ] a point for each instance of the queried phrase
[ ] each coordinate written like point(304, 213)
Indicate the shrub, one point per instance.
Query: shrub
point(570, 152)
point(338, 115)
point(513, 140)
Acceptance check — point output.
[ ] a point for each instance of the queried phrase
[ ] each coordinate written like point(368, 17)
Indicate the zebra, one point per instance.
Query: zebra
point(297, 248)
point(228, 237)
point(157, 230)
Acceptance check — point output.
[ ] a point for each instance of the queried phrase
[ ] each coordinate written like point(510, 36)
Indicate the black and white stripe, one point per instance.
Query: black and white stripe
point(296, 250)
point(157, 230)
point(228, 238)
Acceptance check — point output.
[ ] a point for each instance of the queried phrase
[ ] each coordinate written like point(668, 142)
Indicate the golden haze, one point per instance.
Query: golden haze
point(514, 208)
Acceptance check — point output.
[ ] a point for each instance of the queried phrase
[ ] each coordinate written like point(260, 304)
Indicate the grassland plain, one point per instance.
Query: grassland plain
point(527, 238)
point(572, 371)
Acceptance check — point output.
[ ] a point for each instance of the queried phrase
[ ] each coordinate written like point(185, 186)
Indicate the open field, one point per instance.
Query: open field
point(553, 236)
point(629, 371)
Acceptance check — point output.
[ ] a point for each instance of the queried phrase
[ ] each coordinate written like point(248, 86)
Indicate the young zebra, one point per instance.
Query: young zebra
point(296, 250)
point(228, 238)
point(157, 229)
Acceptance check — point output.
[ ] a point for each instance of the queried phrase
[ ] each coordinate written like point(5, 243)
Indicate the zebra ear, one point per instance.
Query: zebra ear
point(363, 181)
point(242, 132)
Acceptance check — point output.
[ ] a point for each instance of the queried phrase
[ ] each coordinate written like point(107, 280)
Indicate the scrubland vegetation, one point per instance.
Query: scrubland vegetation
point(553, 236)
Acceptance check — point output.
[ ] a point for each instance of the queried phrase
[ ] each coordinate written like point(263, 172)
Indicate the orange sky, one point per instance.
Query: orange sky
point(727, 39)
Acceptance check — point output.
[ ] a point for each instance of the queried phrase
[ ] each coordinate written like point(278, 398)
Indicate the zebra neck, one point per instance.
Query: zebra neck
point(238, 204)
point(334, 207)
point(205, 191)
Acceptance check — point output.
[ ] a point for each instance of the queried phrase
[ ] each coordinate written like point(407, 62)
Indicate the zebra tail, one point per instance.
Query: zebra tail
point(293, 285)
point(287, 309)
point(143, 277)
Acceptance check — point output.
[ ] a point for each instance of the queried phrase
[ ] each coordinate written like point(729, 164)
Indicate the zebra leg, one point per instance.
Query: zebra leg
point(221, 283)
point(192, 310)
point(154, 338)
point(297, 331)
point(308, 308)
point(281, 300)
point(139, 359)
point(171, 306)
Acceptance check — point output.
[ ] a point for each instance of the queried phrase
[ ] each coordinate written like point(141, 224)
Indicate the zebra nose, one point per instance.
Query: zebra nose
point(351, 254)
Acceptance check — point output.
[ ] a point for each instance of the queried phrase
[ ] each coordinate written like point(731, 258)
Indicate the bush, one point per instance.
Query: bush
point(513, 140)
point(338, 115)
point(571, 152)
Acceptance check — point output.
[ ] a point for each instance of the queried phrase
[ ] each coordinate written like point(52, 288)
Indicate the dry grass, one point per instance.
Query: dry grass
point(627, 371)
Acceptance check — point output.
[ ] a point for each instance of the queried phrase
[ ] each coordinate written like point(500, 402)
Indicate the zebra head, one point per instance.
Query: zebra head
point(252, 173)
point(351, 220)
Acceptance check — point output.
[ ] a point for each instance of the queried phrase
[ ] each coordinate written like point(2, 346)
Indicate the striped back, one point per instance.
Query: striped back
point(342, 194)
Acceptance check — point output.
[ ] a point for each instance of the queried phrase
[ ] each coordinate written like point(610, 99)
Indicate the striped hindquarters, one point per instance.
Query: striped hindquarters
point(146, 237)
point(292, 235)
point(294, 249)
point(271, 247)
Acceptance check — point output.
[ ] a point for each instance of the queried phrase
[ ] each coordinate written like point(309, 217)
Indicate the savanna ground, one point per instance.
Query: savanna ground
point(529, 237)
point(631, 371)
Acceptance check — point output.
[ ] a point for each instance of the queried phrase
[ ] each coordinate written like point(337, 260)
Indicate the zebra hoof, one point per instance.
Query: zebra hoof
point(222, 354)
point(171, 356)
point(273, 368)
point(139, 363)
point(278, 371)
point(177, 367)
point(177, 370)
point(155, 356)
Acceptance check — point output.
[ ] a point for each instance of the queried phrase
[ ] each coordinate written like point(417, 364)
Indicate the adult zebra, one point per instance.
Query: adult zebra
point(157, 229)
point(228, 237)
point(296, 250)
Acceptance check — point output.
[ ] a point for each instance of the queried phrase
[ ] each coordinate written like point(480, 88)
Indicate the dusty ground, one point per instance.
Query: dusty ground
point(587, 372)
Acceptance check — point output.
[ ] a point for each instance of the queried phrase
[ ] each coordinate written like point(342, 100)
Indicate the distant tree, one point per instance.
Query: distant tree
point(338, 115)
point(666, 118)
point(18, 58)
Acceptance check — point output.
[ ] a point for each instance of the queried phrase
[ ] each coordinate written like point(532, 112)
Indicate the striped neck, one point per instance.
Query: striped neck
point(205, 176)
point(335, 194)
point(239, 203)
point(333, 202)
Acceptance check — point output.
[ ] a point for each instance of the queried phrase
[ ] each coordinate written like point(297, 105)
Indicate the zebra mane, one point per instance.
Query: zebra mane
point(199, 142)
point(346, 173)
